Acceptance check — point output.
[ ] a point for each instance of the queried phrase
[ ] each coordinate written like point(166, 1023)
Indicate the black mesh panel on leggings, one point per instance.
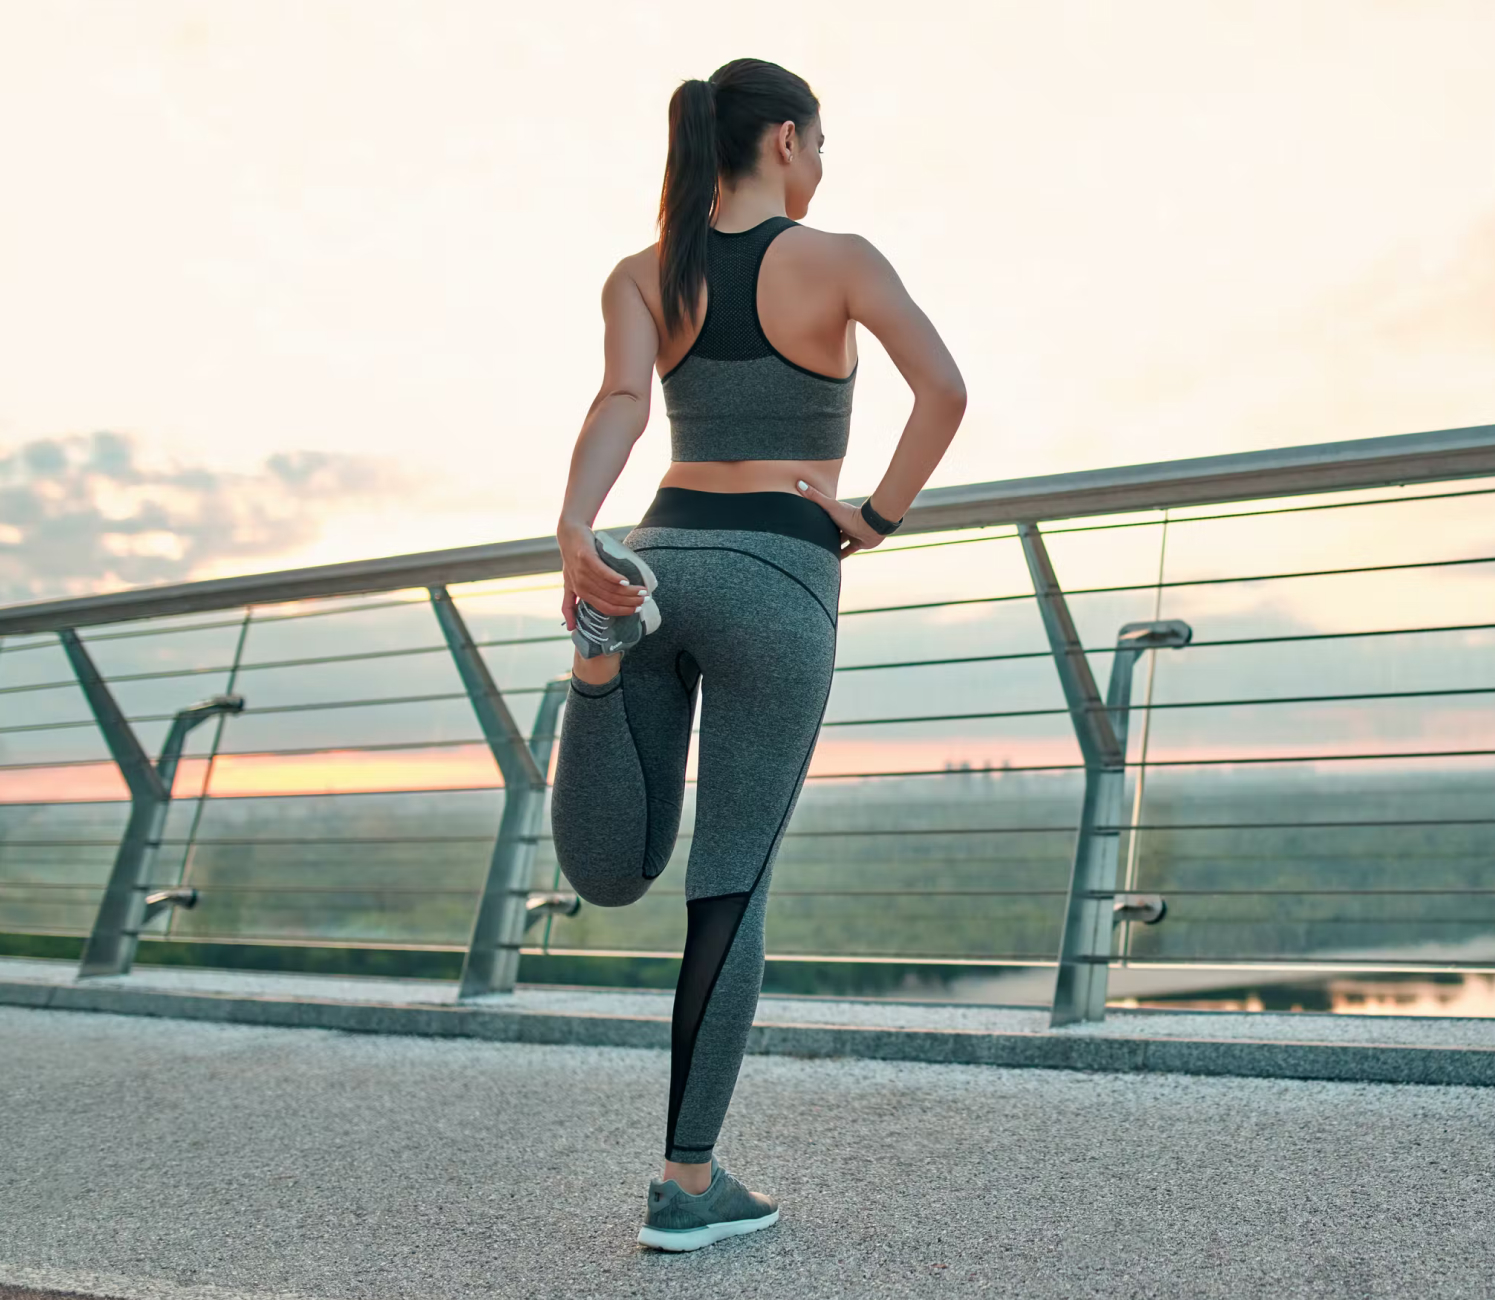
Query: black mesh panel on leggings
point(711, 927)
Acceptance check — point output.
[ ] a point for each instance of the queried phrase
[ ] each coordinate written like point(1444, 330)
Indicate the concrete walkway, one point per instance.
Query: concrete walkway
point(1372, 1049)
point(147, 1158)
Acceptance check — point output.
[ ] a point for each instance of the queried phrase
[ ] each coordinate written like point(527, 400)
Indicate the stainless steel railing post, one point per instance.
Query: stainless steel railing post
point(124, 909)
point(492, 961)
point(1101, 729)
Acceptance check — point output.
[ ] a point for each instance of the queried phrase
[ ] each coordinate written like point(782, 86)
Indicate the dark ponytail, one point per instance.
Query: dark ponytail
point(716, 128)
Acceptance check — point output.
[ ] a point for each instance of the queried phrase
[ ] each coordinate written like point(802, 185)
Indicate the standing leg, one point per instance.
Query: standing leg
point(767, 667)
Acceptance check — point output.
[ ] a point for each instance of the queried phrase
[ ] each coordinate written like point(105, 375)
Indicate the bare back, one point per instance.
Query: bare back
point(802, 305)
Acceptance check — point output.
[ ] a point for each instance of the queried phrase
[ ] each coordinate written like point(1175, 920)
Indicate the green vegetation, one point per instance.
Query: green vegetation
point(974, 866)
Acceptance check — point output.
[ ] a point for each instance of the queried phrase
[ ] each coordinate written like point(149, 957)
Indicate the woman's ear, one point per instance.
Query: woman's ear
point(788, 138)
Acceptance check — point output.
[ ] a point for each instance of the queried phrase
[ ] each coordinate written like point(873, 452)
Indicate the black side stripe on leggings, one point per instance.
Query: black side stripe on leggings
point(736, 551)
point(643, 773)
point(718, 913)
point(584, 695)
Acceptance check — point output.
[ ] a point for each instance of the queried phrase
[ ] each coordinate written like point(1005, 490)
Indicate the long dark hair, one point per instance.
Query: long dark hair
point(716, 127)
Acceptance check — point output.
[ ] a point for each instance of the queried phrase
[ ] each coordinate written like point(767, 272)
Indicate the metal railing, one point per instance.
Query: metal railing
point(381, 835)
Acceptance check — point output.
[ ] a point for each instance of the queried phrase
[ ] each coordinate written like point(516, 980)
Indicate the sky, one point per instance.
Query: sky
point(287, 282)
point(296, 282)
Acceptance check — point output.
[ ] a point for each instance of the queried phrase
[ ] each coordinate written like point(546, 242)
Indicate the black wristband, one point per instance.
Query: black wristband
point(875, 521)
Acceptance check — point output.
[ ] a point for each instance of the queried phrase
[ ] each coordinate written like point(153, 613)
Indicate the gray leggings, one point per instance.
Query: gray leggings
point(753, 614)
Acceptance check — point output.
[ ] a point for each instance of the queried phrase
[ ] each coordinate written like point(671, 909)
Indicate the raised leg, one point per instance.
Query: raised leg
point(620, 773)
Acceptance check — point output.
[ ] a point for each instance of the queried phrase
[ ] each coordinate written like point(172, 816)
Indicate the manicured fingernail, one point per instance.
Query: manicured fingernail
point(802, 485)
point(624, 581)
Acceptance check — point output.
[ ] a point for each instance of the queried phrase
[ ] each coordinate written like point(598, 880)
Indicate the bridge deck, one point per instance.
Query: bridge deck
point(1385, 1049)
point(198, 1161)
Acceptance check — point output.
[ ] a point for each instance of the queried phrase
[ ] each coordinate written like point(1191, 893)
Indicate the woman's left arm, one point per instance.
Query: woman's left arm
point(877, 299)
point(613, 424)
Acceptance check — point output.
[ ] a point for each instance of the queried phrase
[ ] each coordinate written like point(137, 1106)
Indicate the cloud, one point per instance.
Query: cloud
point(85, 513)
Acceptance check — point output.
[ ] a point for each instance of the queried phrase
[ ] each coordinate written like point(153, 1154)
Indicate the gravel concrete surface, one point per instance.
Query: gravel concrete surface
point(20, 1293)
point(148, 1159)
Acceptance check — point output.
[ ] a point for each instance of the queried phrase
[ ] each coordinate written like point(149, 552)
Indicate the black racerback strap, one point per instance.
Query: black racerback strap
point(731, 331)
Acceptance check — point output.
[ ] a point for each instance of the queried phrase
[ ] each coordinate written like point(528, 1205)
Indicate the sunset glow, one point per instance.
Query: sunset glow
point(471, 767)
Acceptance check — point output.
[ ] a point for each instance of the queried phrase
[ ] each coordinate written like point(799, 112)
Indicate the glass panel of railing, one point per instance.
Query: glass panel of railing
point(50, 742)
point(355, 802)
point(386, 869)
point(356, 799)
point(1320, 768)
point(353, 695)
point(180, 648)
point(937, 823)
point(940, 868)
point(50, 748)
point(517, 625)
point(31, 663)
point(54, 861)
point(41, 727)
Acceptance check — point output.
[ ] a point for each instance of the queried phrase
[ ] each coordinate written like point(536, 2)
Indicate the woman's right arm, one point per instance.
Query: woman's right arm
point(613, 424)
point(877, 299)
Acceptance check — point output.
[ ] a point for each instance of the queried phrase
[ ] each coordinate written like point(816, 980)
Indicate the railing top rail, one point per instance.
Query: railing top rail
point(1244, 476)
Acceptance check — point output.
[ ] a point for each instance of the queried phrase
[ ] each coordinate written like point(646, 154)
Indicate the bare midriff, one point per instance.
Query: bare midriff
point(752, 475)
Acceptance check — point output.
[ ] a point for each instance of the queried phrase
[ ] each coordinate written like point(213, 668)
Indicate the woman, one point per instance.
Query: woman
point(733, 575)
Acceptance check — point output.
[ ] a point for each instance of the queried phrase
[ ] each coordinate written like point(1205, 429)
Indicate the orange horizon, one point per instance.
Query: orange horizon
point(469, 767)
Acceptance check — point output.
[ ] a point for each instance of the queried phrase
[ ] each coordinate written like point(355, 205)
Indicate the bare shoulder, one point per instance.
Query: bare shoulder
point(642, 269)
point(828, 246)
point(845, 256)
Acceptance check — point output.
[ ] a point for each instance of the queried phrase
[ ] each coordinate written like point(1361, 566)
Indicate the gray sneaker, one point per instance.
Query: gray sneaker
point(597, 633)
point(679, 1221)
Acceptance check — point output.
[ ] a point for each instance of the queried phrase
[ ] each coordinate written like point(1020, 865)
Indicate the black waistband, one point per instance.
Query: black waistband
point(753, 512)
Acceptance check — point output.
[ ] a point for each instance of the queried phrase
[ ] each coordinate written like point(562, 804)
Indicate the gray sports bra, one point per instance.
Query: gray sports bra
point(733, 397)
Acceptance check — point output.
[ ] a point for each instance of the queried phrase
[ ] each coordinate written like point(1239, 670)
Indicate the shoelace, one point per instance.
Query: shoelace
point(592, 623)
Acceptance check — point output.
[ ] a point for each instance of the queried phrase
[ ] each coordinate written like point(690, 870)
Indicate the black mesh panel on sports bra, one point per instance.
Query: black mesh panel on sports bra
point(733, 397)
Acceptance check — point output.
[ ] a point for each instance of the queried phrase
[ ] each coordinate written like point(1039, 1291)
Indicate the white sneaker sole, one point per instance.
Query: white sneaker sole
point(678, 1239)
point(613, 547)
point(650, 614)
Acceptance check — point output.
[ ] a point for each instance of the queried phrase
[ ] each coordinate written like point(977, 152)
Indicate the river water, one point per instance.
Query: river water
point(1369, 995)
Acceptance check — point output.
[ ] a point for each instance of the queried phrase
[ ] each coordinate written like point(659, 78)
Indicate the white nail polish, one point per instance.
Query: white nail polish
point(802, 485)
point(624, 581)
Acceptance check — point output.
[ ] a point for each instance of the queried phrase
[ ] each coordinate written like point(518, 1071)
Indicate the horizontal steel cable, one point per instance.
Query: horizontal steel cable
point(1316, 893)
point(477, 889)
point(845, 722)
point(1168, 891)
point(259, 621)
point(842, 833)
point(1185, 704)
point(879, 609)
point(894, 550)
point(846, 833)
point(1184, 519)
point(1309, 964)
point(1193, 645)
point(994, 960)
point(1151, 762)
point(1180, 582)
point(512, 691)
point(310, 661)
point(821, 776)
